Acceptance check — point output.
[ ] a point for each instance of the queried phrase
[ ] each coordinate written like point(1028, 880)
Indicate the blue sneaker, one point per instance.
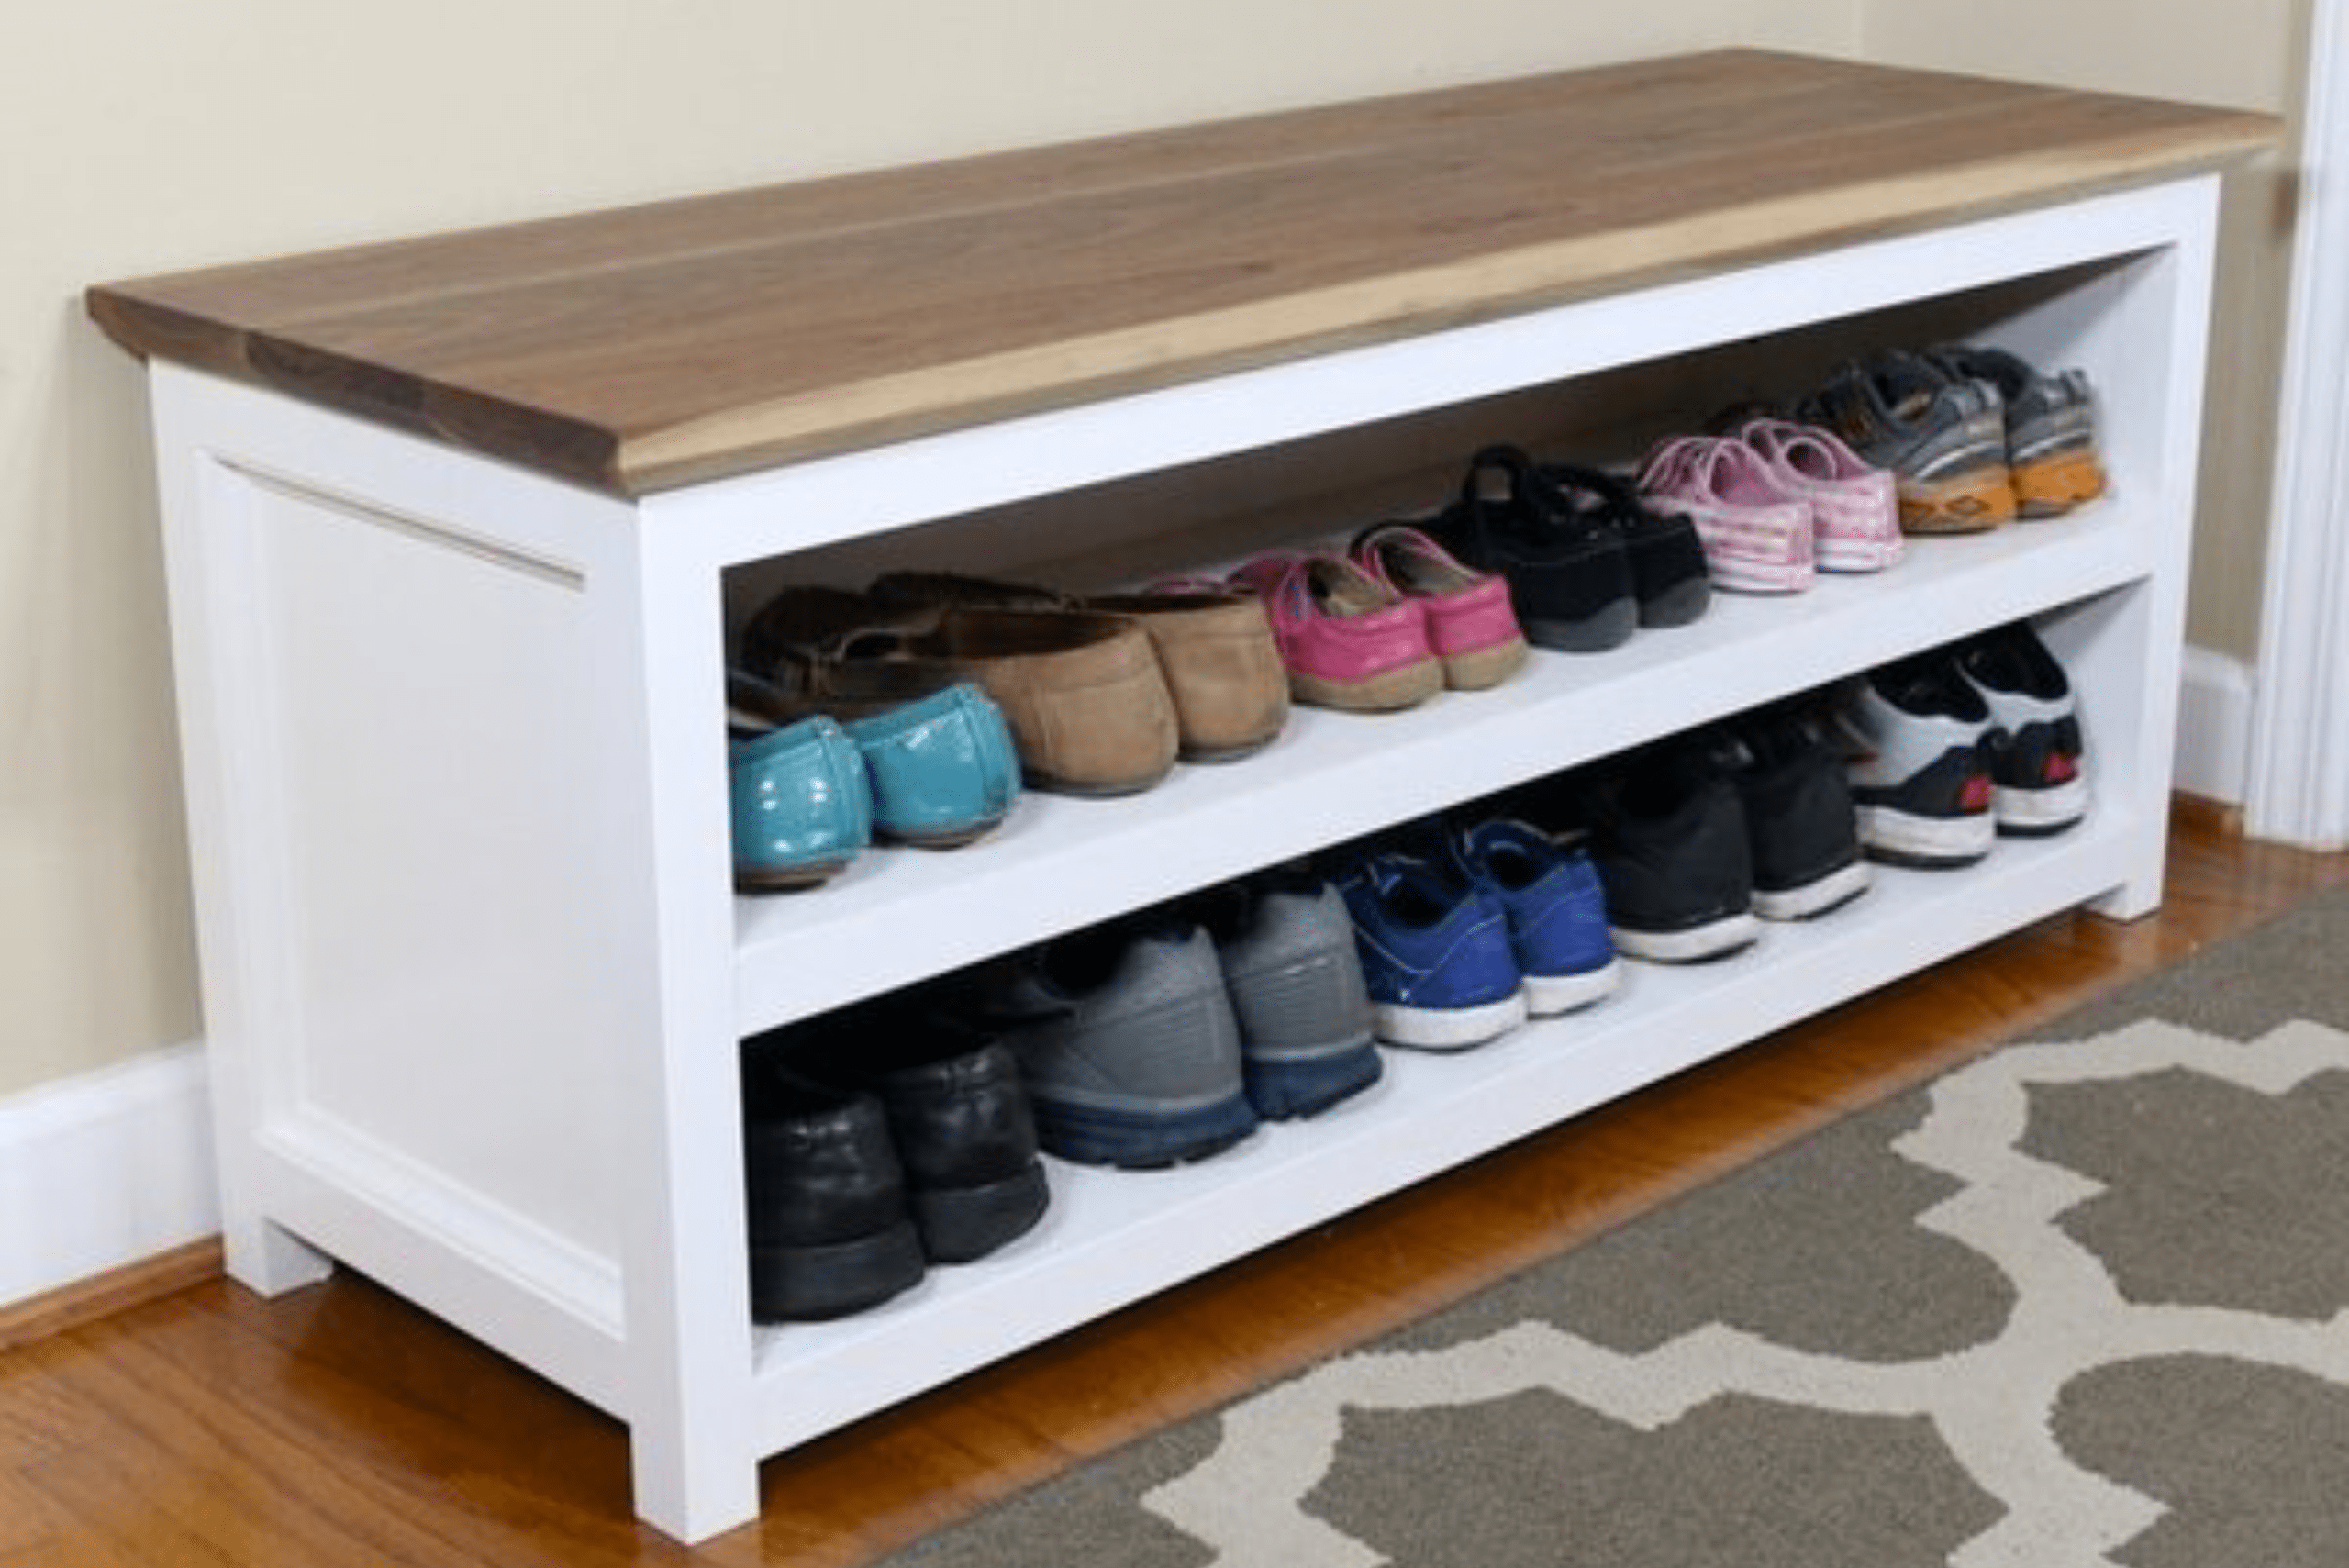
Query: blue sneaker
point(1435, 954)
point(1556, 909)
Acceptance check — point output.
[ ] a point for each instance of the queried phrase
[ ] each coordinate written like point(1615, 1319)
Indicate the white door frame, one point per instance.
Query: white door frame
point(2298, 787)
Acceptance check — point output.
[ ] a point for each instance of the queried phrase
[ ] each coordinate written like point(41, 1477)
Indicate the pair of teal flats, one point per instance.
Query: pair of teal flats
point(810, 793)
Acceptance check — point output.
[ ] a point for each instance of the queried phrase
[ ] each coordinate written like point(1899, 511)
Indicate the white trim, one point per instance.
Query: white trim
point(2298, 783)
point(104, 1170)
point(2214, 718)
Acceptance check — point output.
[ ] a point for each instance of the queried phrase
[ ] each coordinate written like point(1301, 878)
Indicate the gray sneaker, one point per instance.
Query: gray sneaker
point(1943, 436)
point(1295, 978)
point(2051, 428)
point(1127, 1043)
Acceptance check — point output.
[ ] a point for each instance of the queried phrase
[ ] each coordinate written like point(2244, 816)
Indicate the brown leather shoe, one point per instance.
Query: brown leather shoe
point(1216, 648)
point(833, 650)
point(1088, 710)
point(1214, 645)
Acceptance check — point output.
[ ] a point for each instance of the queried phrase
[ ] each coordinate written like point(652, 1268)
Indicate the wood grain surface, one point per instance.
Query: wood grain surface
point(638, 350)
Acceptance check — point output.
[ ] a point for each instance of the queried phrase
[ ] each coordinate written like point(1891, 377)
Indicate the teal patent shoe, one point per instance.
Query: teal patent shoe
point(942, 768)
point(802, 805)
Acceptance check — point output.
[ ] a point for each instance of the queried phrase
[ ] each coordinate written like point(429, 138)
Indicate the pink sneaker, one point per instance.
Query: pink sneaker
point(1471, 624)
point(1757, 535)
point(1348, 640)
point(1854, 506)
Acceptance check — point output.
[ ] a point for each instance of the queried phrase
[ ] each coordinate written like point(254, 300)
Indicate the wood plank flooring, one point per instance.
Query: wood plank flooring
point(338, 1426)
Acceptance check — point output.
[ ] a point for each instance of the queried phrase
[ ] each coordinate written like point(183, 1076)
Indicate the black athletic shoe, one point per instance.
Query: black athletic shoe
point(1914, 734)
point(1669, 836)
point(1800, 819)
point(1569, 573)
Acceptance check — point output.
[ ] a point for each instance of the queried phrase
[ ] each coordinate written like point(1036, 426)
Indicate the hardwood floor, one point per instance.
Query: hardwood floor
point(340, 1426)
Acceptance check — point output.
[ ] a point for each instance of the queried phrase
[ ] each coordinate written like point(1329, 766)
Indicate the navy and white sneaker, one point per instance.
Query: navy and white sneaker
point(1557, 908)
point(1435, 953)
point(1915, 734)
point(2038, 772)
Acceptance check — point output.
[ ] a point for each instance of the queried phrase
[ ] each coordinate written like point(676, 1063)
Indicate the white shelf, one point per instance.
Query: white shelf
point(1111, 1237)
point(1061, 862)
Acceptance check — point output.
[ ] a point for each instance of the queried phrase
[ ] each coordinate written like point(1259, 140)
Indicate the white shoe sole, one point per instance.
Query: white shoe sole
point(1698, 944)
point(1815, 898)
point(1929, 841)
point(1447, 1028)
point(2030, 813)
point(1547, 995)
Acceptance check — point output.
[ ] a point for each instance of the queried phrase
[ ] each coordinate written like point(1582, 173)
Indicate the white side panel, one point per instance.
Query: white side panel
point(409, 851)
point(440, 956)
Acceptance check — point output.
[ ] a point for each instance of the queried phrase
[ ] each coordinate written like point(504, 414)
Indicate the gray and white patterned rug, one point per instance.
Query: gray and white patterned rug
point(2082, 1302)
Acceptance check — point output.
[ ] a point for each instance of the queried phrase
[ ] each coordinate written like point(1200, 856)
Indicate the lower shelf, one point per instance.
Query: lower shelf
point(1112, 1238)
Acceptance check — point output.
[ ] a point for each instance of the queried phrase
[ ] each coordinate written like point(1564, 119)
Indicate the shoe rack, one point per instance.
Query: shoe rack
point(452, 527)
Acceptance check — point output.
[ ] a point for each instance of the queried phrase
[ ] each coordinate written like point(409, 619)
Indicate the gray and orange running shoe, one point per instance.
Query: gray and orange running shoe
point(1943, 436)
point(2051, 428)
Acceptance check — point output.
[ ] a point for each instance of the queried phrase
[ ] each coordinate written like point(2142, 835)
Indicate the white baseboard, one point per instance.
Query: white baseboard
point(104, 1170)
point(2214, 751)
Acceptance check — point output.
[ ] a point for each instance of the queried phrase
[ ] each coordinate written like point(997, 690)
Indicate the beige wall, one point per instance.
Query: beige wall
point(2243, 52)
point(149, 135)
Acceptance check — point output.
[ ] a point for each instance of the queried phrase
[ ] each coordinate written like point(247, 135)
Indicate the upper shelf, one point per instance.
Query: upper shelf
point(638, 350)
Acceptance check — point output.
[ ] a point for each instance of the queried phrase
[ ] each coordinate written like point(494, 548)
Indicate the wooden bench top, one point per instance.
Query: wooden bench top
point(641, 349)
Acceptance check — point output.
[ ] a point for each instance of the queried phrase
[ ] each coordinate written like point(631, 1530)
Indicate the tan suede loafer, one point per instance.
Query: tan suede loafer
point(1214, 646)
point(1081, 691)
point(1089, 708)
